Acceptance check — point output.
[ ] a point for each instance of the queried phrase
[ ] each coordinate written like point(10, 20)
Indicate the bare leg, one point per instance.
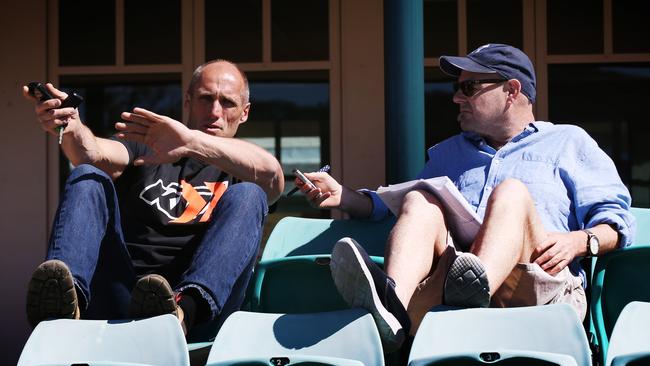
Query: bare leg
point(511, 229)
point(418, 237)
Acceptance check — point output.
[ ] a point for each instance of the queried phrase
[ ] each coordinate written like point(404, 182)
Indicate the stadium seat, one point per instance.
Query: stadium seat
point(630, 340)
point(619, 278)
point(295, 236)
point(535, 335)
point(346, 337)
point(293, 275)
point(155, 341)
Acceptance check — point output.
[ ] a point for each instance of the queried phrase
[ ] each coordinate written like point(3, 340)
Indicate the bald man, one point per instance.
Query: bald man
point(163, 217)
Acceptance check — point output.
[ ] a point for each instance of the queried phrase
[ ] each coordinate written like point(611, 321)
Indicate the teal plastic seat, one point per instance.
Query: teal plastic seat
point(293, 275)
point(630, 340)
point(642, 216)
point(298, 315)
point(343, 338)
point(535, 335)
point(297, 236)
point(155, 341)
point(620, 277)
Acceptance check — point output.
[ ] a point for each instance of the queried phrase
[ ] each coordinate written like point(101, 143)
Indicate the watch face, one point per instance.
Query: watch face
point(593, 245)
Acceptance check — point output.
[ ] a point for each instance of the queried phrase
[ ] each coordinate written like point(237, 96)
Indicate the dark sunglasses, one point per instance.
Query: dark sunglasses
point(468, 87)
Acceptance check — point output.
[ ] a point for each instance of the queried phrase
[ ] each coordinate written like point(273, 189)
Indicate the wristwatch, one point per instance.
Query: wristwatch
point(593, 244)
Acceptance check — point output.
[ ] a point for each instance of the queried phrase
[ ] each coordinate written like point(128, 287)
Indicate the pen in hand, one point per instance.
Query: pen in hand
point(324, 169)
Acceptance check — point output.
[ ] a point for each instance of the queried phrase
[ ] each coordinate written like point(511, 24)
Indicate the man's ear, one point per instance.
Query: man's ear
point(244, 114)
point(514, 88)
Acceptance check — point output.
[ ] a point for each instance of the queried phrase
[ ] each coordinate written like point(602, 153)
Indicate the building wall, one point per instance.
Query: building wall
point(23, 221)
point(362, 94)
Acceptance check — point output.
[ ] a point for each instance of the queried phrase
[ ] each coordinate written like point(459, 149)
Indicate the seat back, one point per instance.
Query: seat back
point(347, 337)
point(619, 278)
point(630, 340)
point(293, 275)
point(301, 284)
point(535, 335)
point(642, 216)
point(294, 236)
point(153, 341)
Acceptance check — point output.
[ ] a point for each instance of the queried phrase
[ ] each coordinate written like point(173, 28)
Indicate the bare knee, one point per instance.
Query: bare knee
point(512, 190)
point(419, 202)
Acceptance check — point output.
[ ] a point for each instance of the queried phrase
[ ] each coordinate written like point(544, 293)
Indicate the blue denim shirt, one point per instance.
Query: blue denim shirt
point(573, 182)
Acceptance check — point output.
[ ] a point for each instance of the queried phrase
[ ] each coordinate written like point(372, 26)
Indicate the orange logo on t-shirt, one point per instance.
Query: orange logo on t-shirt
point(199, 201)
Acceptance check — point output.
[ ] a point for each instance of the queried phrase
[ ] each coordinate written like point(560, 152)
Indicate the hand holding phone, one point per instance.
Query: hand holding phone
point(304, 179)
point(39, 91)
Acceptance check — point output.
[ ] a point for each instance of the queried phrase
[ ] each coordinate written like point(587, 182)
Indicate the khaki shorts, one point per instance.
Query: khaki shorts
point(527, 285)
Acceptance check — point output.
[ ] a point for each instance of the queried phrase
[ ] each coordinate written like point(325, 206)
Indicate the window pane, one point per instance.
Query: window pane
point(574, 27)
point(630, 28)
point(86, 32)
point(440, 28)
point(233, 30)
point(289, 117)
point(106, 97)
point(152, 31)
point(496, 21)
point(295, 114)
point(609, 105)
point(299, 30)
point(440, 112)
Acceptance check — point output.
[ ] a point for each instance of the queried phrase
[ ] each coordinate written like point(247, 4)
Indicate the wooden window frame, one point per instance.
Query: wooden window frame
point(535, 41)
point(193, 54)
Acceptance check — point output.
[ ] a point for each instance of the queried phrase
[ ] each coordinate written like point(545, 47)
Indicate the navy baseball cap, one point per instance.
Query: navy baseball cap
point(507, 61)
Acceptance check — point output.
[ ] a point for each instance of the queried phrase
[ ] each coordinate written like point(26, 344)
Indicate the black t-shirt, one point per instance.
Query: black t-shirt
point(163, 207)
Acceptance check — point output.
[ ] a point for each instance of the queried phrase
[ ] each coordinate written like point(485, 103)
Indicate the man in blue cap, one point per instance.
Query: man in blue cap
point(547, 195)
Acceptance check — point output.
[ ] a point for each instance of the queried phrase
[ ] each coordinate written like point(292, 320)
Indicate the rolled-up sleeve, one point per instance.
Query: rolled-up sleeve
point(600, 195)
point(379, 209)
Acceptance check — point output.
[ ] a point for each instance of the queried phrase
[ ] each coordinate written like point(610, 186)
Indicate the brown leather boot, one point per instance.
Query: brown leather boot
point(51, 293)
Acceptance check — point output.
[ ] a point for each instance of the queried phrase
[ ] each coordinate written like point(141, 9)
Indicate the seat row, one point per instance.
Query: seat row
point(294, 315)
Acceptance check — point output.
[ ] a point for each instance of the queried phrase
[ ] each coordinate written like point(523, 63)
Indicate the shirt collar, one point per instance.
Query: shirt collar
point(532, 128)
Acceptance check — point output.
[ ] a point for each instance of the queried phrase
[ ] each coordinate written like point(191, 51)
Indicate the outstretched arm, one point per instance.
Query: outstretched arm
point(79, 144)
point(171, 140)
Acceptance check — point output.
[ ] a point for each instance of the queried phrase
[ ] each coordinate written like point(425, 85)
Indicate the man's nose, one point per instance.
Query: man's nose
point(459, 97)
point(216, 108)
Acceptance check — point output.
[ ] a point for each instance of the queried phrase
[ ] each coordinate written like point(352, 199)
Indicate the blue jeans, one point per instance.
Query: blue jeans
point(87, 236)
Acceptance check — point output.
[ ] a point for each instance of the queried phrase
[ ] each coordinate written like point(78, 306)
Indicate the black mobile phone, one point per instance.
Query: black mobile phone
point(73, 100)
point(39, 91)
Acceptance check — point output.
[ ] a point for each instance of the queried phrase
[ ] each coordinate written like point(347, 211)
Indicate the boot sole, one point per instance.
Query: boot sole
point(152, 296)
point(51, 293)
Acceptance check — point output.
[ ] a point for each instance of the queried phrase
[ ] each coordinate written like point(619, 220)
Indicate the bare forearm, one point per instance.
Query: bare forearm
point(607, 238)
point(81, 146)
point(358, 205)
point(241, 159)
